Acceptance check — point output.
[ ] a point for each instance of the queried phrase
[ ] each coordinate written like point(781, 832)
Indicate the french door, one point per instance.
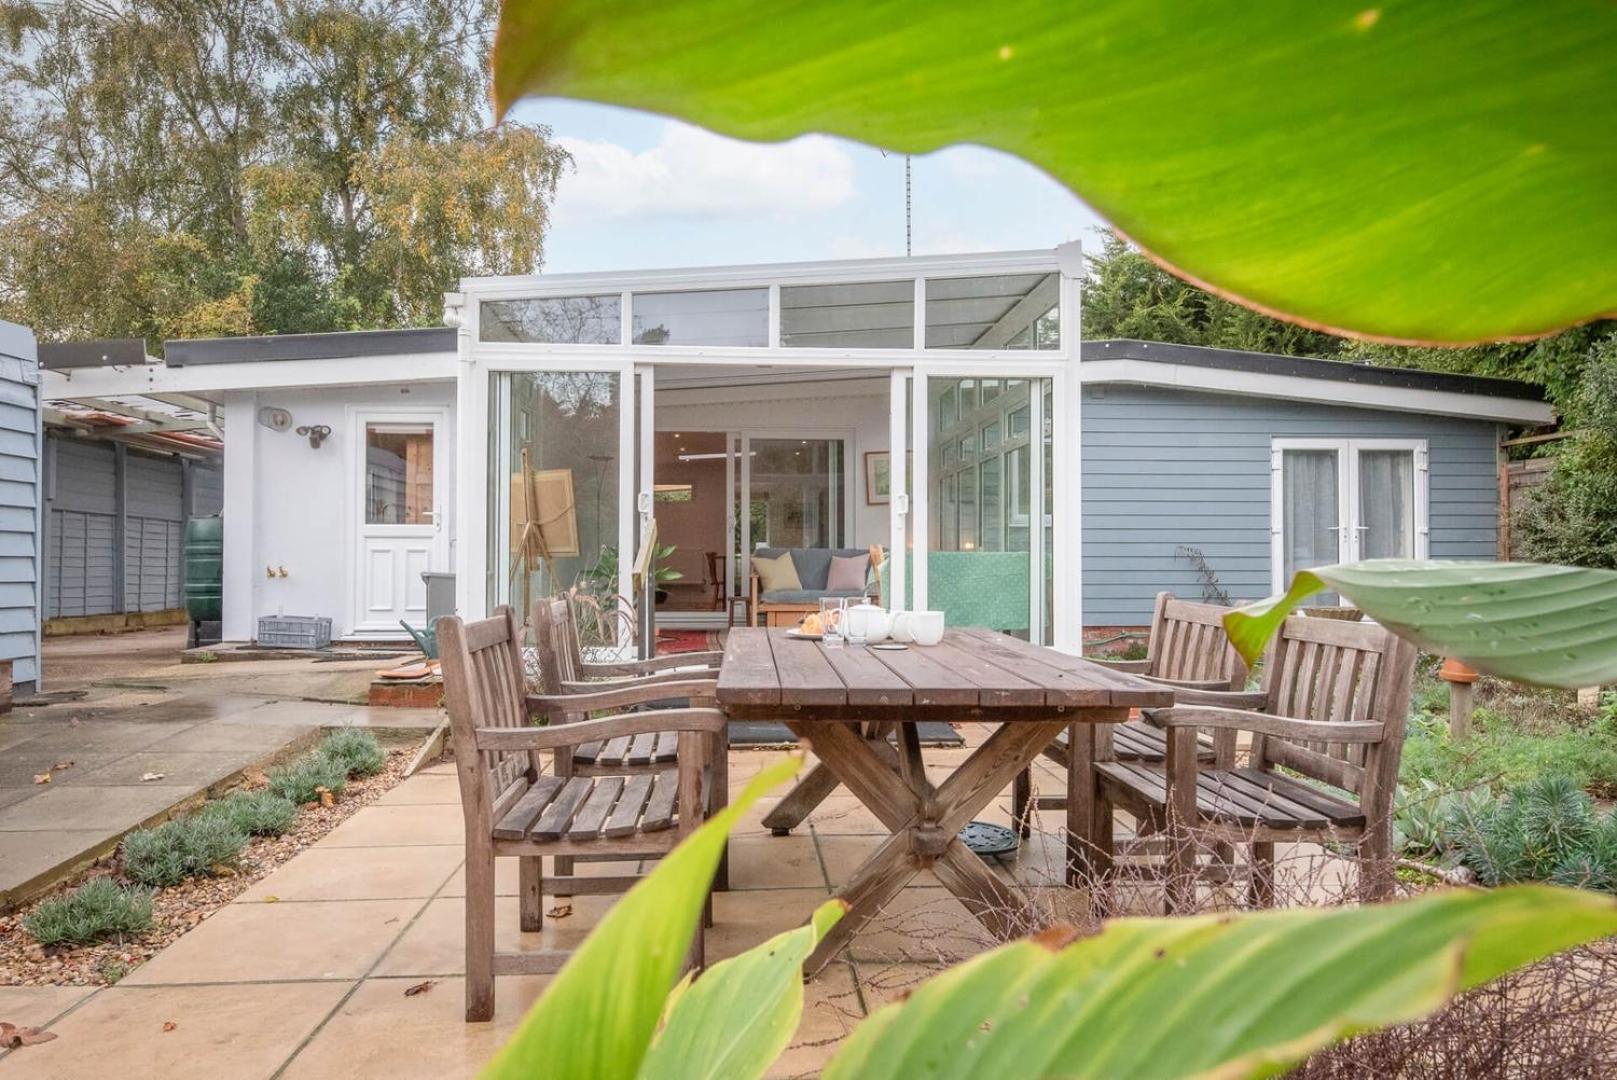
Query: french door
point(1343, 500)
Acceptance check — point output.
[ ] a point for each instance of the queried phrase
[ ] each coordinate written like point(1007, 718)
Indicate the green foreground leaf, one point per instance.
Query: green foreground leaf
point(734, 1021)
point(1215, 995)
point(1546, 625)
point(1347, 164)
point(596, 1019)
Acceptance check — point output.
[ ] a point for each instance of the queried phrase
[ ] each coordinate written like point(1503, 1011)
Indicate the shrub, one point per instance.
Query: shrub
point(1500, 752)
point(179, 849)
point(301, 781)
point(1545, 830)
point(99, 908)
point(358, 751)
point(256, 813)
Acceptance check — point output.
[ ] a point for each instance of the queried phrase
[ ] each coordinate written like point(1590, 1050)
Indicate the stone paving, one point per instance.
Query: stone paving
point(304, 975)
point(193, 727)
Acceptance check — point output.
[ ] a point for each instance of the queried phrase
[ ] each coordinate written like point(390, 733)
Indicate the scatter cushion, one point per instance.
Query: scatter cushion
point(806, 596)
point(778, 573)
point(846, 574)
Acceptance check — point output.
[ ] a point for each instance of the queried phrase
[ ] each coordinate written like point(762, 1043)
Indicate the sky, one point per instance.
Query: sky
point(650, 192)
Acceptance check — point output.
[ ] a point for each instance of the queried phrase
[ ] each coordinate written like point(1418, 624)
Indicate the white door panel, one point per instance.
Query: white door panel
point(401, 478)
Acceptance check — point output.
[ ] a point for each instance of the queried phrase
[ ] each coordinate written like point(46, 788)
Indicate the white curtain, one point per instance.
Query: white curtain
point(1386, 499)
point(1312, 510)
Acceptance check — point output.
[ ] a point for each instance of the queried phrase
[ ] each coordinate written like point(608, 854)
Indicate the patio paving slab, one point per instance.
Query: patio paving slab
point(112, 808)
point(20, 764)
point(198, 770)
point(240, 1032)
point(399, 826)
point(363, 1037)
point(832, 1007)
point(775, 862)
point(435, 944)
point(103, 736)
point(37, 1006)
point(291, 941)
point(360, 874)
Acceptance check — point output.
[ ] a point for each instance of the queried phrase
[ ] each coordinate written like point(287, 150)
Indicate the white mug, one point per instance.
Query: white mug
point(901, 631)
point(926, 627)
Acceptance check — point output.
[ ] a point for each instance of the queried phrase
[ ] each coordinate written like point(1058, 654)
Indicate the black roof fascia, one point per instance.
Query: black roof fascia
point(248, 350)
point(109, 352)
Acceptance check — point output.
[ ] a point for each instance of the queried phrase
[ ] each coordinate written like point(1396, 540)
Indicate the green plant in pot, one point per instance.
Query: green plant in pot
point(603, 576)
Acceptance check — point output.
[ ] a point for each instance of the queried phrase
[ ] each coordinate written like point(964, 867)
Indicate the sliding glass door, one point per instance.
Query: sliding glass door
point(1342, 500)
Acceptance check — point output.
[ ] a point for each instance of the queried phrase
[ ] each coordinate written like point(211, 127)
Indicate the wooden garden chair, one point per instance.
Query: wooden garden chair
point(1336, 699)
point(512, 810)
point(1188, 650)
point(562, 671)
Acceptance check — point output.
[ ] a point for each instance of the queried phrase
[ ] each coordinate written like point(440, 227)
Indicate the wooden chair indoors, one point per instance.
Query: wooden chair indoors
point(1336, 699)
point(1187, 649)
point(512, 810)
point(563, 670)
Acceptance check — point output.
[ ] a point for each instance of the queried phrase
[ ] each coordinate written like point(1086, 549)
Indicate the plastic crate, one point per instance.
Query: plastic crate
point(294, 632)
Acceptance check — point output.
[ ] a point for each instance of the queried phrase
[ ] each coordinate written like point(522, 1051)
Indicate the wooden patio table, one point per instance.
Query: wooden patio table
point(845, 702)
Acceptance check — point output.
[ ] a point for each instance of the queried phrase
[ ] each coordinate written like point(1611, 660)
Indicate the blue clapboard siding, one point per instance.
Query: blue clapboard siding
point(1164, 468)
point(19, 503)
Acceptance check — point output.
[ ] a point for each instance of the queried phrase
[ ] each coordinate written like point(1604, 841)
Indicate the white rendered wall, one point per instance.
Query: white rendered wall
point(288, 505)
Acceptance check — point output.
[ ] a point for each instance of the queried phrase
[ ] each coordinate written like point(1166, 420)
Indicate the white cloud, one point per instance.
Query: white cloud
point(845, 246)
point(694, 173)
point(974, 163)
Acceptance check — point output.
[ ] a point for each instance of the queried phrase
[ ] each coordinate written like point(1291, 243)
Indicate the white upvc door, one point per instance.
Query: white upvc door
point(401, 472)
point(1343, 500)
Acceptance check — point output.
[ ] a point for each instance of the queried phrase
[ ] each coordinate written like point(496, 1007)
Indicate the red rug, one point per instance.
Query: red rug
point(681, 641)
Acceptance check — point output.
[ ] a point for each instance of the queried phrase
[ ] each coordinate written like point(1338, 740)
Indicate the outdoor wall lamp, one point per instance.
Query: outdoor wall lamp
point(316, 432)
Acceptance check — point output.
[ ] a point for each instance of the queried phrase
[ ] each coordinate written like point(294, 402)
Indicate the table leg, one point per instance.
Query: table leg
point(878, 881)
point(993, 902)
point(1080, 801)
point(817, 785)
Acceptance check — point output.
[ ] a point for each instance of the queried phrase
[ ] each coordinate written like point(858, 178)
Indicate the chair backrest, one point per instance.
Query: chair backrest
point(484, 687)
point(1338, 671)
point(555, 632)
point(1188, 644)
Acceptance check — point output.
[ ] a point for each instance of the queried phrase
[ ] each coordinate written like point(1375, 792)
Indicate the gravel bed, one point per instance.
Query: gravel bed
point(175, 910)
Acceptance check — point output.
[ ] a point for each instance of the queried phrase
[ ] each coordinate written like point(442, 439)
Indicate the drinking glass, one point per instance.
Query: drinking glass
point(831, 609)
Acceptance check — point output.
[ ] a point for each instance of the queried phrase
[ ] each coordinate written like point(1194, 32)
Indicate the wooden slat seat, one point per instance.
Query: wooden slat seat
point(1244, 797)
point(1136, 741)
point(586, 808)
point(621, 752)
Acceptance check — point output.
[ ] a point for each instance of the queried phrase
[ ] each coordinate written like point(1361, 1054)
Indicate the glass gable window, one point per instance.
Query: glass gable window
point(735, 317)
point(1007, 311)
point(553, 320)
point(869, 315)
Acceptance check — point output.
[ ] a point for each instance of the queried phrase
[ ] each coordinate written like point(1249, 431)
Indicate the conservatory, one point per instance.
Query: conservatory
point(928, 407)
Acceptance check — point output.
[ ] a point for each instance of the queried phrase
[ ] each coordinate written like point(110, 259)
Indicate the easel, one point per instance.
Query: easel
point(532, 547)
point(643, 584)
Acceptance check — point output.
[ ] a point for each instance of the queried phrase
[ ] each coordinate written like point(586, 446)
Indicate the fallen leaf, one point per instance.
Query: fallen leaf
point(221, 870)
point(169, 1025)
point(42, 778)
point(255, 777)
point(12, 1036)
point(62, 765)
point(148, 777)
point(326, 797)
point(560, 911)
point(394, 919)
point(271, 899)
point(419, 988)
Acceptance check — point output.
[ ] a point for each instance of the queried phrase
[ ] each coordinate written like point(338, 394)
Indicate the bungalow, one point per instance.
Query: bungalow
point(942, 408)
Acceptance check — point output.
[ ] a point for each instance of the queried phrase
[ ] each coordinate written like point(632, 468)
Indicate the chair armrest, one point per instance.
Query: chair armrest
point(593, 686)
point(1248, 700)
point(1284, 727)
point(1221, 685)
point(1133, 667)
point(617, 697)
point(656, 663)
point(600, 729)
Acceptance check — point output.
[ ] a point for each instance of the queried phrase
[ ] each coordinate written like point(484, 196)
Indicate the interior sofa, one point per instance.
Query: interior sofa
point(785, 607)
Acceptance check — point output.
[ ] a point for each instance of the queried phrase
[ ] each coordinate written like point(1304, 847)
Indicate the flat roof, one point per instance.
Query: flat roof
point(346, 343)
point(1348, 371)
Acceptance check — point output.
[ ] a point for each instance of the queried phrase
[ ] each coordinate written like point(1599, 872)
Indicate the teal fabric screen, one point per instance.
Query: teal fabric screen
point(973, 588)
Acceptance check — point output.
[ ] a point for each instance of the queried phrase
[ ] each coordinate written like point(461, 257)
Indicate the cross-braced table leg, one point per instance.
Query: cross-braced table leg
point(925, 820)
point(818, 784)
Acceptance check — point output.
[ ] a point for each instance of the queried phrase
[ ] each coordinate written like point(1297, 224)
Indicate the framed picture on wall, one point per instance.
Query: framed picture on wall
point(878, 478)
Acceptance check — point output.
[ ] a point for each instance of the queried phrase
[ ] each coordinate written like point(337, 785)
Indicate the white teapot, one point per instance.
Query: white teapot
point(868, 621)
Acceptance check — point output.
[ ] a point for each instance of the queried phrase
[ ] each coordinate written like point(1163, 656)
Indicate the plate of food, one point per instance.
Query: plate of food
point(809, 629)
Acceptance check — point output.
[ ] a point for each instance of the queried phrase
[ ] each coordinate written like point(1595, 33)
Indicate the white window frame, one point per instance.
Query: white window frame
point(1350, 530)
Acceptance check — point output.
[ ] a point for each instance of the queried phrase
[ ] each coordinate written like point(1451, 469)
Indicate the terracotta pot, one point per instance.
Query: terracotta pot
point(1457, 671)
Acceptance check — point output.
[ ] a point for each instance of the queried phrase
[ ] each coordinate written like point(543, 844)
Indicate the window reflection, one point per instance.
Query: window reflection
point(553, 320)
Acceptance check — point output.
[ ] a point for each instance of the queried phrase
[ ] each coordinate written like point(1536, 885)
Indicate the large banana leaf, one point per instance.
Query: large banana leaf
point(1213, 995)
point(1410, 170)
point(737, 1018)
point(596, 1019)
point(1548, 625)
